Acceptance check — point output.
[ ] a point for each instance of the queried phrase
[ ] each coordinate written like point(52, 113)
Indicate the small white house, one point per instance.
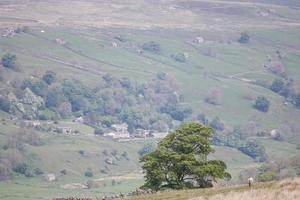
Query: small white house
point(119, 131)
point(199, 40)
point(50, 177)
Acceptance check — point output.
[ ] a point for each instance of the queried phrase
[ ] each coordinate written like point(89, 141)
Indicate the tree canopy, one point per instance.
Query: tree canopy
point(180, 160)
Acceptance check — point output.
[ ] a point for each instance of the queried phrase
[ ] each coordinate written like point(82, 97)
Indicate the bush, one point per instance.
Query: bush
point(214, 97)
point(244, 38)
point(267, 176)
point(49, 77)
point(88, 173)
point(81, 152)
point(38, 171)
point(63, 172)
point(217, 124)
point(21, 168)
point(10, 61)
point(277, 85)
point(5, 105)
point(152, 47)
point(262, 104)
point(202, 118)
point(297, 101)
point(254, 150)
point(147, 148)
point(99, 131)
point(180, 57)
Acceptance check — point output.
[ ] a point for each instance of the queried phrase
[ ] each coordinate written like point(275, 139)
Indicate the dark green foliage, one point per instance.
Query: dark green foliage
point(49, 77)
point(54, 98)
point(244, 38)
point(202, 118)
point(99, 131)
point(262, 104)
point(147, 148)
point(38, 87)
point(217, 124)
point(175, 111)
point(254, 150)
point(297, 101)
point(21, 168)
point(5, 104)
point(161, 76)
point(88, 173)
point(81, 152)
point(125, 82)
point(277, 85)
point(38, 171)
point(63, 172)
point(180, 57)
point(152, 47)
point(267, 176)
point(180, 158)
point(10, 61)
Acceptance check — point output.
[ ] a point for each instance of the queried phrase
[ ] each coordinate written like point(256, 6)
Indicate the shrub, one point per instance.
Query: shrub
point(180, 57)
point(88, 173)
point(81, 152)
point(38, 171)
point(217, 124)
point(254, 150)
point(63, 172)
point(202, 118)
point(99, 131)
point(244, 38)
point(267, 176)
point(5, 170)
point(152, 47)
point(277, 85)
point(147, 148)
point(49, 77)
point(262, 104)
point(5, 105)
point(297, 101)
point(10, 61)
point(214, 97)
point(21, 168)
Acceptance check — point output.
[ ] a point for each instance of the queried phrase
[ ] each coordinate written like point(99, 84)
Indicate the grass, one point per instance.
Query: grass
point(286, 189)
point(89, 45)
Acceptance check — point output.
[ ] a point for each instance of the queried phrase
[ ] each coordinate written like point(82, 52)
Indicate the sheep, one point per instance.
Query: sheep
point(250, 181)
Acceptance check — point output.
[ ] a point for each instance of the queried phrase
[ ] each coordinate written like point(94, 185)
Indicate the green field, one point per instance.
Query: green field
point(88, 52)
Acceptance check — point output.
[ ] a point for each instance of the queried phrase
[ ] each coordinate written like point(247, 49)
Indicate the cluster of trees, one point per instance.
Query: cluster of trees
point(286, 89)
point(153, 105)
point(12, 154)
point(10, 61)
point(180, 160)
point(216, 123)
point(237, 139)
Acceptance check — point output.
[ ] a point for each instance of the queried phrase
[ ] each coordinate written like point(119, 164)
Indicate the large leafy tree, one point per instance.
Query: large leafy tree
point(180, 160)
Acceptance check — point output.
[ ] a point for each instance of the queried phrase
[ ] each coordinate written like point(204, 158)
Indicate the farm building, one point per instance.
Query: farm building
point(65, 130)
point(50, 177)
point(29, 123)
point(119, 131)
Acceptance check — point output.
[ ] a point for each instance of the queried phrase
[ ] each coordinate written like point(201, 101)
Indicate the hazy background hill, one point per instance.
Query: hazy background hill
point(182, 60)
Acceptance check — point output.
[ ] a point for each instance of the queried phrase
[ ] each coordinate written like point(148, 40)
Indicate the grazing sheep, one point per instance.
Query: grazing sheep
point(250, 181)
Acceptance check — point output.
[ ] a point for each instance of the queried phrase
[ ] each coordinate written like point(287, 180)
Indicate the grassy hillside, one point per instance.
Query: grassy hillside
point(286, 189)
point(86, 45)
